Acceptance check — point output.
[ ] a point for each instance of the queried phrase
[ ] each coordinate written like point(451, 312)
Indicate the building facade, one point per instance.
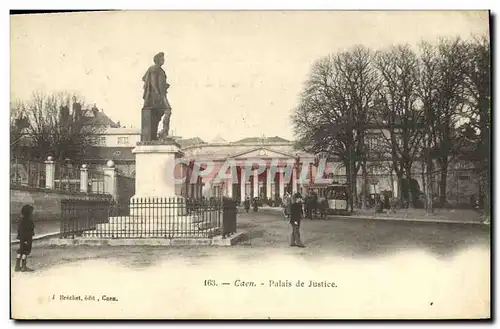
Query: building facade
point(271, 183)
point(116, 143)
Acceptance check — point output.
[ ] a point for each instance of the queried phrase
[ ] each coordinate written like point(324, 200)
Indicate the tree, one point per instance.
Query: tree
point(53, 129)
point(452, 59)
point(18, 123)
point(428, 91)
point(478, 111)
point(335, 109)
point(399, 117)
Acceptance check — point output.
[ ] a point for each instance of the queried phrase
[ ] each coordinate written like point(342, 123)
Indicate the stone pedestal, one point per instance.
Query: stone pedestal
point(155, 163)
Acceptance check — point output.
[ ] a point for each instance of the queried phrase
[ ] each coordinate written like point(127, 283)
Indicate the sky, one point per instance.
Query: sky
point(235, 74)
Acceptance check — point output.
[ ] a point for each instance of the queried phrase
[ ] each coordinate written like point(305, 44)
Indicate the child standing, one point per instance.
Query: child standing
point(25, 233)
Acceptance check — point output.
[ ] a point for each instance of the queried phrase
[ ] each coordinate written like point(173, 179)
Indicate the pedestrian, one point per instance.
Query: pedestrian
point(314, 204)
point(323, 206)
point(255, 204)
point(295, 218)
point(394, 203)
point(247, 204)
point(306, 205)
point(25, 233)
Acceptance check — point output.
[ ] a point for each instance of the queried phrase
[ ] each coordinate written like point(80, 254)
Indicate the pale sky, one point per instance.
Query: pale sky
point(237, 74)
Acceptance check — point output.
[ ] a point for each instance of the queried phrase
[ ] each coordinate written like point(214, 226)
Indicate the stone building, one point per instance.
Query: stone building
point(116, 143)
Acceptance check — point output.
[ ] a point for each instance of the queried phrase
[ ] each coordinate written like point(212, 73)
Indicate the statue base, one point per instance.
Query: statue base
point(155, 175)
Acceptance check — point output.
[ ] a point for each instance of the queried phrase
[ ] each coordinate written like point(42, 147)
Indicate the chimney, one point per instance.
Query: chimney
point(64, 114)
point(95, 110)
point(77, 110)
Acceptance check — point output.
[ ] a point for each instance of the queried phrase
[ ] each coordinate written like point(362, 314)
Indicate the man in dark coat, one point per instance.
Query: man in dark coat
point(155, 95)
point(295, 218)
point(25, 233)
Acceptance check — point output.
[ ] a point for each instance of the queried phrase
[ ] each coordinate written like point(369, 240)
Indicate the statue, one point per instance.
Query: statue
point(155, 100)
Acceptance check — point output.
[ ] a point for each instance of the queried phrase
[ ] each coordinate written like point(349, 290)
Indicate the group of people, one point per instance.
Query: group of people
point(254, 202)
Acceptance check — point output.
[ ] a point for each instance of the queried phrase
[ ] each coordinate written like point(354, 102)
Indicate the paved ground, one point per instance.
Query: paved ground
point(439, 215)
point(442, 215)
point(346, 237)
point(380, 269)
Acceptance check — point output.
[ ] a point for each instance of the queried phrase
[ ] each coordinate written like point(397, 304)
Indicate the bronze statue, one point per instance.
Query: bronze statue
point(155, 99)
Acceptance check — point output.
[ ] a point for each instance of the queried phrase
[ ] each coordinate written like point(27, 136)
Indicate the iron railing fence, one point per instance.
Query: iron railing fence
point(96, 181)
point(147, 218)
point(27, 173)
point(67, 178)
point(78, 216)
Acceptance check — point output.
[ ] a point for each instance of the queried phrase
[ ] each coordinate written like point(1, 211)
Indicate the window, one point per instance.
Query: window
point(100, 140)
point(122, 140)
point(374, 143)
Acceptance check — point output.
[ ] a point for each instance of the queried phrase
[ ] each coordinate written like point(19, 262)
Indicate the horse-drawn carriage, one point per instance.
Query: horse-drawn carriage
point(331, 199)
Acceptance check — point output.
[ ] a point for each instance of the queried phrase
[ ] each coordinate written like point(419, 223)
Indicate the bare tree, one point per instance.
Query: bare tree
point(398, 115)
point(335, 109)
point(478, 111)
point(53, 129)
point(18, 122)
point(452, 59)
point(429, 97)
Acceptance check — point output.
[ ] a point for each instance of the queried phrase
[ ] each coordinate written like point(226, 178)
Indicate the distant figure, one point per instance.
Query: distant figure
point(25, 233)
point(306, 206)
point(323, 207)
point(255, 204)
point(387, 202)
point(394, 203)
point(246, 204)
point(295, 218)
point(309, 206)
point(314, 204)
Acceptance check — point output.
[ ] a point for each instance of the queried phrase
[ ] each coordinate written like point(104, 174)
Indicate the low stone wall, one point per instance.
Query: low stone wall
point(47, 202)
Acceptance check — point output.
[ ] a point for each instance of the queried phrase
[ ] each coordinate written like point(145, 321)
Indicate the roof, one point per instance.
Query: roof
point(121, 131)
point(100, 119)
point(275, 139)
point(109, 153)
point(190, 142)
point(218, 139)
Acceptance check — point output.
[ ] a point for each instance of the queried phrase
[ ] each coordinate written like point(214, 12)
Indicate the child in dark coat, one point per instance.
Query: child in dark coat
point(25, 233)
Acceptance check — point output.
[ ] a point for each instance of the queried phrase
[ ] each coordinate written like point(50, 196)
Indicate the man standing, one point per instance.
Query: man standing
point(155, 99)
point(295, 218)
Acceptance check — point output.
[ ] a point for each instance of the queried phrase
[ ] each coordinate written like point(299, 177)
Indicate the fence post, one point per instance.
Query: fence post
point(84, 179)
point(110, 178)
point(50, 173)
